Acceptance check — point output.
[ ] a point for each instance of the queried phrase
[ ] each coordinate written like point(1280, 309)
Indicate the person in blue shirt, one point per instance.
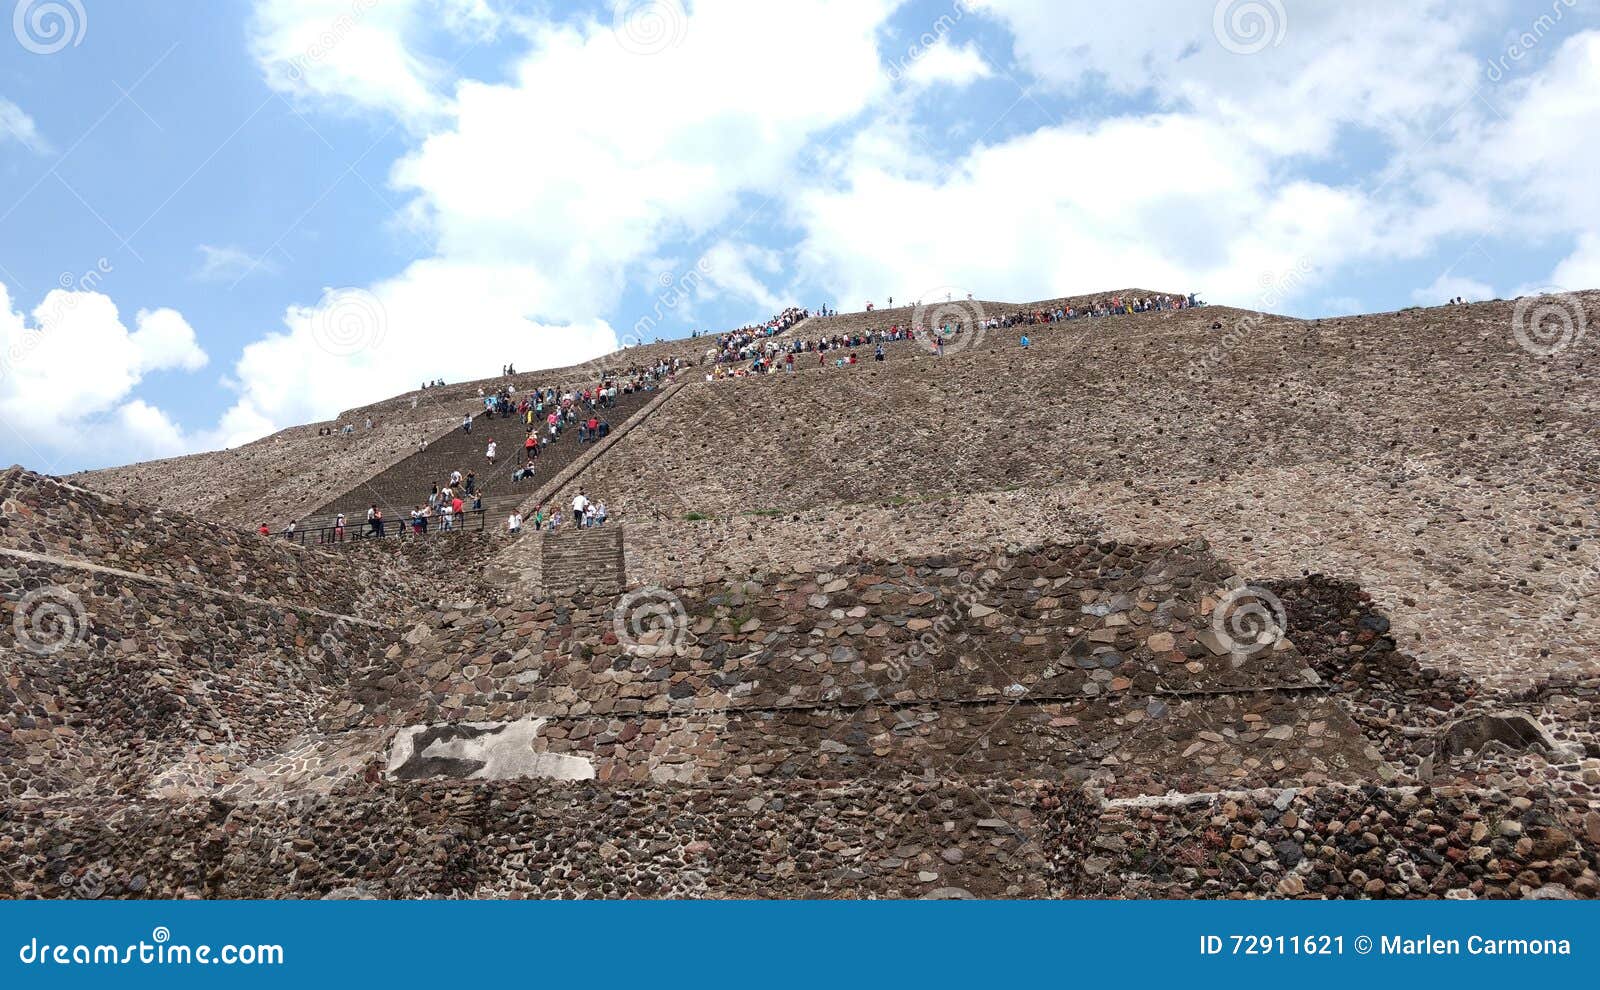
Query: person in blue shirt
point(1025, 341)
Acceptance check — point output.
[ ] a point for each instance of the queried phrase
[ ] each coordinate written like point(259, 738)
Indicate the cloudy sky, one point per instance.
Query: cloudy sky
point(221, 218)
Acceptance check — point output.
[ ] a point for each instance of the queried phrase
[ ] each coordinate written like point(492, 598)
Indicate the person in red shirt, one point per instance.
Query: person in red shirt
point(594, 424)
point(264, 531)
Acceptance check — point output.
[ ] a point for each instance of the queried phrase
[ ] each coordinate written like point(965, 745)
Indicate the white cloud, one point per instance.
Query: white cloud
point(1082, 209)
point(541, 194)
point(1342, 306)
point(1581, 268)
point(545, 193)
point(436, 319)
point(742, 271)
point(76, 362)
point(15, 125)
point(1447, 287)
point(365, 54)
point(587, 185)
point(1319, 67)
point(946, 63)
point(1545, 148)
point(227, 264)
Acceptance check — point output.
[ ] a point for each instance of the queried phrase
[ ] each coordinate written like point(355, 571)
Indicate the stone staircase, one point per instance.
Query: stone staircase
point(584, 558)
point(408, 482)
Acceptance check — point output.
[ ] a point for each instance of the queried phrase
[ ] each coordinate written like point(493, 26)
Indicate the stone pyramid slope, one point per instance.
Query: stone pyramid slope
point(139, 647)
point(1279, 608)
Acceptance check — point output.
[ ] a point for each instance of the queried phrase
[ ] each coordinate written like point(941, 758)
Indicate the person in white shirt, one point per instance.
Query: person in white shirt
point(490, 452)
point(514, 524)
point(579, 503)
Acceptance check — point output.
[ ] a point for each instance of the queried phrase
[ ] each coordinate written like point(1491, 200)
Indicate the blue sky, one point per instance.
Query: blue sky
point(221, 218)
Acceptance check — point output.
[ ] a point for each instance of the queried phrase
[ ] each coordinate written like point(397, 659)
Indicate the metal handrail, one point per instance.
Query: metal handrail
point(462, 522)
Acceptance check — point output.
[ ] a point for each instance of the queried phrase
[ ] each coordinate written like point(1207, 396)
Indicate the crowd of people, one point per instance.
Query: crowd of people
point(586, 514)
point(544, 413)
point(760, 355)
point(738, 345)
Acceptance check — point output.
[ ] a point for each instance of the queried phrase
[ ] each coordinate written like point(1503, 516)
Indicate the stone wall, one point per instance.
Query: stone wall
point(1084, 660)
point(1337, 842)
point(933, 838)
point(146, 652)
point(111, 685)
point(1422, 453)
point(911, 839)
point(45, 516)
point(282, 476)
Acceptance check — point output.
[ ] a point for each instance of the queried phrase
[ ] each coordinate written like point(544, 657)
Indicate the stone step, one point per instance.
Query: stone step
point(584, 558)
point(407, 483)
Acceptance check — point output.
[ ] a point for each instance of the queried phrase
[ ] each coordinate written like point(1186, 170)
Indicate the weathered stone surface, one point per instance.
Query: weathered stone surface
point(931, 628)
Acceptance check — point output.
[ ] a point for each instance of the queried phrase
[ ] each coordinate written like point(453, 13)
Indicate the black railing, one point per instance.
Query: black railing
point(466, 521)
